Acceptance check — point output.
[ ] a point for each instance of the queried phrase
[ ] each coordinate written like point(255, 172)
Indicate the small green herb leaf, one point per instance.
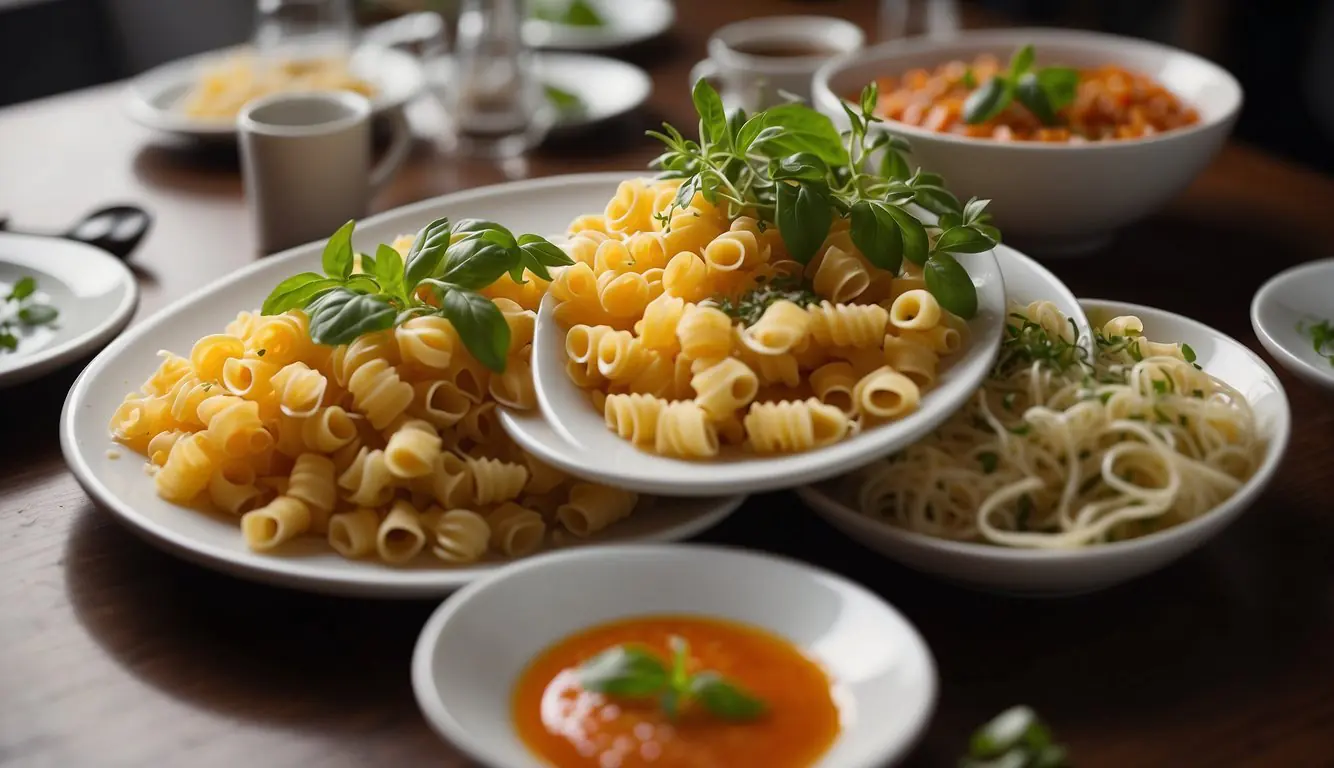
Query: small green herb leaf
point(1022, 61)
point(481, 325)
point(426, 253)
point(1002, 733)
point(38, 314)
point(870, 95)
point(875, 232)
point(1029, 92)
point(969, 79)
point(804, 217)
point(988, 460)
point(8, 341)
point(1188, 353)
point(724, 699)
point(539, 254)
point(987, 101)
point(337, 258)
point(297, 291)
point(916, 244)
point(963, 240)
point(791, 128)
point(23, 288)
point(712, 116)
point(949, 282)
point(477, 261)
point(389, 271)
point(936, 199)
point(340, 316)
point(1061, 84)
point(565, 102)
point(803, 166)
point(624, 671)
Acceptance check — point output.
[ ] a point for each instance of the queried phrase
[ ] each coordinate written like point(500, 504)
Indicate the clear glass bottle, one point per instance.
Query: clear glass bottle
point(304, 30)
point(494, 100)
point(911, 18)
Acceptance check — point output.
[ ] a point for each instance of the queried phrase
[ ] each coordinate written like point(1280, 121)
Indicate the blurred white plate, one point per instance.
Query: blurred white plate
point(473, 648)
point(542, 205)
point(153, 99)
point(1061, 572)
point(1300, 295)
point(94, 293)
point(606, 88)
point(626, 22)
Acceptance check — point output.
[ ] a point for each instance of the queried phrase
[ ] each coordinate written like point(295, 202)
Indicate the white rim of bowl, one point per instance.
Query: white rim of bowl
point(824, 96)
point(1285, 356)
point(443, 723)
point(1262, 476)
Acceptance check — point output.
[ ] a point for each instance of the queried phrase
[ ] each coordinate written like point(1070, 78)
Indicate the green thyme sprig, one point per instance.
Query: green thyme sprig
point(1322, 337)
point(789, 166)
point(444, 269)
point(1044, 92)
point(634, 672)
point(21, 313)
point(1026, 342)
point(748, 307)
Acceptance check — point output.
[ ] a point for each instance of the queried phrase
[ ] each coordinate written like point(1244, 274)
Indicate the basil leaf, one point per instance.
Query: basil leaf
point(803, 166)
point(936, 199)
point(949, 221)
point(1022, 61)
point(366, 262)
point(39, 314)
point(426, 253)
point(23, 288)
point(803, 216)
point(893, 165)
point(950, 283)
point(876, 234)
point(538, 254)
point(986, 102)
point(474, 225)
point(712, 116)
point(1029, 93)
point(791, 128)
point(870, 95)
point(1061, 85)
point(963, 240)
point(724, 699)
point(969, 79)
point(297, 291)
point(670, 701)
point(988, 230)
point(685, 194)
point(1188, 353)
point(337, 258)
point(389, 271)
point(362, 284)
point(476, 262)
point(481, 325)
point(736, 119)
point(916, 244)
point(8, 340)
point(623, 671)
point(972, 210)
point(340, 316)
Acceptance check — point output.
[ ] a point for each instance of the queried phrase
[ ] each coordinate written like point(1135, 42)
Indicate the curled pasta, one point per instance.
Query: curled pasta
point(439, 402)
point(247, 376)
point(233, 426)
point(633, 417)
point(412, 451)
point(283, 338)
point(299, 389)
point(833, 384)
point(461, 536)
point(733, 250)
point(661, 318)
point(886, 394)
point(312, 481)
point(840, 277)
point(724, 387)
point(916, 361)
point(848, 325)
point(592, 508)
point(631, 209)
point(495, 481)
point(232, 488)
point(794, 425)
point(379, 393)
point(430, 341)
point(514, 387)
point(684, 431)
point(328, 430)
point(783, 326)
point(915, 310)
point(210, 353)
point(516, 531)
point(400, 537)
point(686, 276)
point(705, 333)
point(623, 295)
point(367, 480)
point(275, 523)
point(620, 356)
point(353, 534)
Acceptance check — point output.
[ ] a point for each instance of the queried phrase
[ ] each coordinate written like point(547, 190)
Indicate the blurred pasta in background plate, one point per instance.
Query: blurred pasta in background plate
point(693, 331)
point(388, 447)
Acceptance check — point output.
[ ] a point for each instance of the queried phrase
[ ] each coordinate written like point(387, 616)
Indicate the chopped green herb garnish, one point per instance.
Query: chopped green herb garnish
point(750, 306)
point(988, 460)
point(1007, 401)
point(1021, 429)
point(1198, 394)
point(634, 672)
point(1322, 338)
point(577, 13)
point(566, 103)
point(1188, 353)
point(18, 312)
point(261, 353)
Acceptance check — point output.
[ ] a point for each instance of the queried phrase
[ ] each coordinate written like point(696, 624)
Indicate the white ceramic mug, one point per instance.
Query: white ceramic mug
point(743, 65)
point(306, 162)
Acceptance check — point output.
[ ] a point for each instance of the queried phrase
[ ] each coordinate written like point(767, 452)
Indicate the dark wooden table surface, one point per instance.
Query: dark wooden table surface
point(114, 654)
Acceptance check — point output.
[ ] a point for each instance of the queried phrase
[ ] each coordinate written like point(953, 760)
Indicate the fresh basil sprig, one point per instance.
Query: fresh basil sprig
point(1015, 738)
point(789, 166)
point(634, 672)
point(1043, 92)
point(444, 269)
point(28, 315)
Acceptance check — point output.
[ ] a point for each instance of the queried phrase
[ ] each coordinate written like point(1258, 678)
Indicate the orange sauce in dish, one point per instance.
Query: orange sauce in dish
point(572, 728)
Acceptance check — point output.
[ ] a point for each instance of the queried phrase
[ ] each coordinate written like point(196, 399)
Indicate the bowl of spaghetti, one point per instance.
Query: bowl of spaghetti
point(1069, 472)
point(1073, 134)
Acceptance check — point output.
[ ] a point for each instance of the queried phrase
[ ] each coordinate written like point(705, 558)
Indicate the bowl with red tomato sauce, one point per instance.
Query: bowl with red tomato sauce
point(1091, 133)
point(679, 656)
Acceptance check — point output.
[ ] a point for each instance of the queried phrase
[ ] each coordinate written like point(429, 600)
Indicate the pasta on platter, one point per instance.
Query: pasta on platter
point(388, 446)
point(732, 341)
point(1059, 452)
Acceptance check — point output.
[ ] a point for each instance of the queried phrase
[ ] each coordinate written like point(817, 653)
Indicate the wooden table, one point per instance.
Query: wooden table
point(114, 654)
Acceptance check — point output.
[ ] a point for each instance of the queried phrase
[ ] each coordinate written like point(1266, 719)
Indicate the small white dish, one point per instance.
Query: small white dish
point(94, 292)
point(1065, 572)
point(607, 88)
point(153, 98)
point(1118, 182)
point(473, 648)
point(588, 449)
point(120, 485)
point(1303, 294)
point(626, 22)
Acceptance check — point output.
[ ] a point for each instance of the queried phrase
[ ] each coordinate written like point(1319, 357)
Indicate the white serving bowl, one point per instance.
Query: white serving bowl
point(1051, 572)
point(474, 647)
point(1302, 294)
point(1057, 198)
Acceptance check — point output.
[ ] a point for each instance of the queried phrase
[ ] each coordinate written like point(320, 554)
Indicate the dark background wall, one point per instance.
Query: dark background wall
point(1281, 50)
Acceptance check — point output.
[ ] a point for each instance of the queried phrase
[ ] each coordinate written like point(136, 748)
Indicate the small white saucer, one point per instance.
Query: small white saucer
point(92, 290)
point(607, 88)
point(473, 648)
point(626, 22)
point(1293, 298)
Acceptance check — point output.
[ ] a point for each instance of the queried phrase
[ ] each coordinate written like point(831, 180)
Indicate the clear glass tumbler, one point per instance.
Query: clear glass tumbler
point(302, 30)
point(910, 18)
